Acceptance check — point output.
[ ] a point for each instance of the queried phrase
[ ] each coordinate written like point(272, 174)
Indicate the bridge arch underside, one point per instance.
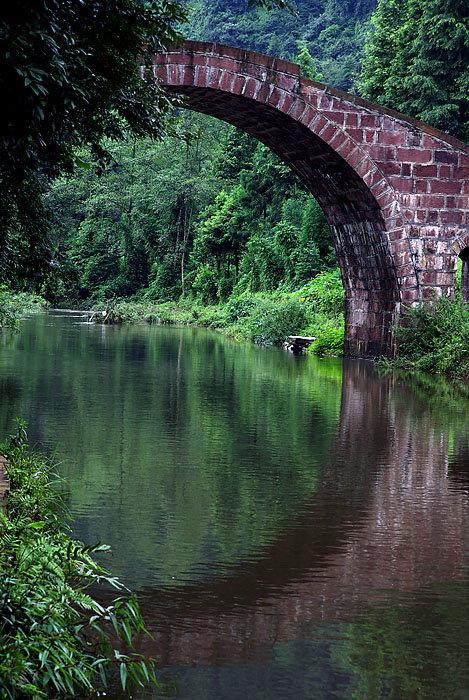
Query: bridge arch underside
point(371, 285)
point(395, 192)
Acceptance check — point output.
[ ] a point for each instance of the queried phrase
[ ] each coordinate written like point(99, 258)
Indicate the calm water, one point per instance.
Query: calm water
point(296, 527)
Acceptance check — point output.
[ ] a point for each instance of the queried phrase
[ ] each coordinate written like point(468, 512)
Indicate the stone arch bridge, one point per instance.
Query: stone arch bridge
point(395, 191)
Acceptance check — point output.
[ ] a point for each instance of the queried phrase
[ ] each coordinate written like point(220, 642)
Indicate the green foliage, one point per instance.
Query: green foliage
point(263, 318)
point(324, 293)
point(69, 70)
point(435, 337)
point(55, 638)
point(205, 219)
point(14, 305)
point(329, 34)
point(271, 321)
point(417, 61)
point(330, 341)
point(306, 62)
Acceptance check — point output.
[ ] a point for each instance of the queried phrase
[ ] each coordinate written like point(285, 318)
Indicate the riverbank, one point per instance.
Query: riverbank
point(434, 338)
point(55, 637)
point(15, 305)
point(263, 318)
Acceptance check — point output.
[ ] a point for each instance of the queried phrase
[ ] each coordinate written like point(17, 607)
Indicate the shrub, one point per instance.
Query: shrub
point(239, 307)
point(324, 293)
point(14, 305)
point(329, 342)
point(271, 322)
point(54, 637)
point(435, 337)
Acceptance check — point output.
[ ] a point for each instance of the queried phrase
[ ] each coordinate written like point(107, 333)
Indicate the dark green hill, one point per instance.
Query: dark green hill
point(334, 31)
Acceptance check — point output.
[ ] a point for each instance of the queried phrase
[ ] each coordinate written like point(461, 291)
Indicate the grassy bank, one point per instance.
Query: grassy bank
point(263, 318)
point(54, 636)
point(434, 338)
point(15, 305)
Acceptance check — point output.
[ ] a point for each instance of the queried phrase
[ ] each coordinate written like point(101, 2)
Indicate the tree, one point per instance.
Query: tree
point(307, 64)
point(417, 61)
point(69, 76)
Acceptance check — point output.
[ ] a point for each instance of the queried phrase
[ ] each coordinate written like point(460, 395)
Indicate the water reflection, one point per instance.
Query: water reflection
point(386, 522)
point(296, 527)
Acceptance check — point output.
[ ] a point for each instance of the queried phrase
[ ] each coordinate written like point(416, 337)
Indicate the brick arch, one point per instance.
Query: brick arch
point(395, 191)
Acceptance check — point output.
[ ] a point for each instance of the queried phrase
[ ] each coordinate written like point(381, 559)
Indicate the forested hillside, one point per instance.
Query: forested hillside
point(334, 32)
point(215, 215)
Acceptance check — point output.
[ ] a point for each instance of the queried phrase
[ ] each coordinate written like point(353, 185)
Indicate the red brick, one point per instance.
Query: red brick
point(334, 116)
point(250, 88)
point(461, 173)
point(310, 97)
point(445, 171)
point(369, 120)
point(429, 293)
point(355, 157)
point(287, 82)
point(405, 169)
point(308, 115)
point(401, 184)
point(356, 134)
point(430, 142)
point(445, 278)
point(428, 277)
point(377, 152)
point(160, 58)
point(226, 81)
point(329, 133)
point(445, 187)
point(325, 103)
point(297, 110)
point(410, 295)
point(446, 157)
point(390, 168)
point(224, 63)
point(363, 167)
point(391, 138)
point(421, 186)
point(451, 217)
point(338, 140)
point(215, 75)
point(275, 97)
point(379, 187)
point(282, 65)
point(373, 178)
point(286, 103)
point(238, 85)
point(413, 155)
point(264, 92)
point(352, 119)
point(433, 202)
point(425, 170)
point(161, 73)
point(318, 124)
point(188, 75)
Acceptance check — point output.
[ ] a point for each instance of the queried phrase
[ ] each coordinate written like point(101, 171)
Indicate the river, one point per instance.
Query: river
point(296, 527)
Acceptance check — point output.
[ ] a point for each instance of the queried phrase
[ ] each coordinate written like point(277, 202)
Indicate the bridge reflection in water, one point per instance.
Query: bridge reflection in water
point(389, 519)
